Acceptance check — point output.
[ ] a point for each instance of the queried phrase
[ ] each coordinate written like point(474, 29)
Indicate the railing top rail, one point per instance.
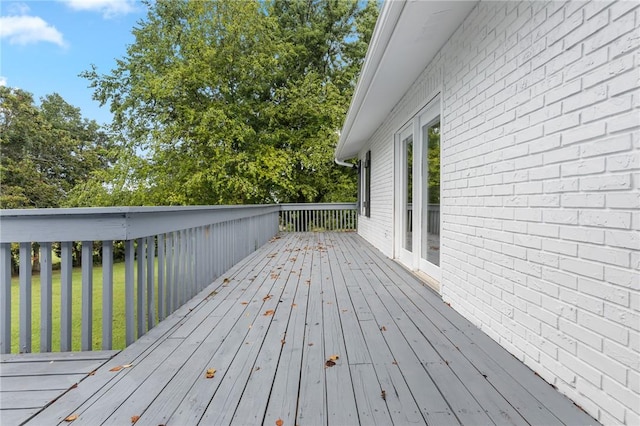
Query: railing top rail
point(115, 223)
point(317, 206)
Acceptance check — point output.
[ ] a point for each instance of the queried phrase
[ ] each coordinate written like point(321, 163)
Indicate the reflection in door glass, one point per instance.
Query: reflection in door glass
point(407, 146)
point(431, 194)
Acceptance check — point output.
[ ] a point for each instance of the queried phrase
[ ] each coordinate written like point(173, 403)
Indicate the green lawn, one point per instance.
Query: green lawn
point(118, 310)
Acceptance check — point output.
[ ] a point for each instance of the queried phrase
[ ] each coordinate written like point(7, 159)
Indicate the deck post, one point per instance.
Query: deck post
point(25, 297)
point(5, 298)
point(107, 295)
point(66, 266)
point(45, 297)
point(129, 284)
point(87, 296)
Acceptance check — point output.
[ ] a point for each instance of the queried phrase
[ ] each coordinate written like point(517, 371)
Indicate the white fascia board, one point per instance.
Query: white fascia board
point(408, 34)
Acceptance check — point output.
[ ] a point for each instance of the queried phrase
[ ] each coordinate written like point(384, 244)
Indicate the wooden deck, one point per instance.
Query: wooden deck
point(314, 329)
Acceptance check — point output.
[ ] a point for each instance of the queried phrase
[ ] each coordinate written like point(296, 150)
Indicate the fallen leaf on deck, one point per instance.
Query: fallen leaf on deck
point(71, 418)
point(210, 373)
point(310, 344)
point(244, 303)
point(93, 373)
point(269, 312)
point(329, 363)
point(383, 328)
point(256, 369)
point(283, 342)
point(394, 362)
point(225, 281)
point(267, 297)
point(334, 357)
point(134, 419)
point(293, 305)
point(120, 367)
point(75, 385)
point(279, 422)
point(345, 310)
point(384, 395)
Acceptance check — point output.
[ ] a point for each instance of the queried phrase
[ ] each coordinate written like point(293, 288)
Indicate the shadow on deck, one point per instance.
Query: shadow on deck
point(314, 328)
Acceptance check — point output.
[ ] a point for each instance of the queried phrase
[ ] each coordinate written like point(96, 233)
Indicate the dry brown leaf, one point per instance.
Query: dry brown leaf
point(134, 419)
point(210, 373)
point(225, 281)
point(310, 344)
point(244, 303)
point(293, 305)
point(267, 297)
point(283, 341)
point(334, 357)
point(120, 367)
point(383, 328)
point(279, 422)
point(329, 363)
point(71, 418)
point(384, 395)
point(93, 373)
point(269, 312)
point(394, 362)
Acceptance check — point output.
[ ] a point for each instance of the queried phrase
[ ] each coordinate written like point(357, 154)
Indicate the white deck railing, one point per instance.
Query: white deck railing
point(170, 254)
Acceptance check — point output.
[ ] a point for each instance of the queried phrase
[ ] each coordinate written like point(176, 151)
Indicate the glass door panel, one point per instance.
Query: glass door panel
point(407, 228)
point(430, 212)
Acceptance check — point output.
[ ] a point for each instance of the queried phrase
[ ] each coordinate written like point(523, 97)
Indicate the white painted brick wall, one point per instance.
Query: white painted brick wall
point(541, 189)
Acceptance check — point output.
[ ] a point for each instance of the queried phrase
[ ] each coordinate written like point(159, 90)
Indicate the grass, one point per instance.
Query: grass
point(118, 310)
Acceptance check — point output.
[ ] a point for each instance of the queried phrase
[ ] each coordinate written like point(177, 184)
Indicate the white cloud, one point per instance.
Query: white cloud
point(29, 29)
point(18, 9)
point(3, 81)
point(108, 8)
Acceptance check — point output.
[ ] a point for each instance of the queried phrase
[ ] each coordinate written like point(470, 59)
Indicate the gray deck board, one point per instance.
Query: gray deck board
point(405, 357)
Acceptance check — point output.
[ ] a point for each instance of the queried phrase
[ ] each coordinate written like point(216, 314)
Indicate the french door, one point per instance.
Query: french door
point(417, 195)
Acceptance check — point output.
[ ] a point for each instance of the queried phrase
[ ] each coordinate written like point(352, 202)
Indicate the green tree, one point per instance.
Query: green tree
point(229, 102)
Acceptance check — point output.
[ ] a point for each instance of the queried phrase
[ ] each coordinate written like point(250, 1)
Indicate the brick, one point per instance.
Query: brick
point(624, 239)
point(547, 172)
point(611, 106)
point(563, 216)
point(560, 338)
point(623, 200)
point(529, 161)
point(604, 291)
point(568, 25)
point(526, 188)
point(624, 83)
point(613, 31)
point(560, 246)
point(613, 68)
point(590, 27)
point(619, 9)
point(620, 393)
point(605, 219)
point(622, 277)
point(581, 267)
point(583, 167)
point(623, 316)
point(605, 183)
point(584, 370)
point(528, 241)
point(622, 122)
point(623, 162)
point(582, 200)
point(604, 255)
point(542, 258)
point(561, 155)
point(604, 402)
point(585, 98)
point(625, 44)
point(584, 133)
point(543, 230)
point(585, 64)
point(604, 327)
point(583, 335)
point(568, 121)
point(606, 146)
point(545, 144)
point(527, 268)
point(544, 200)
point(562, 185)
point(584, 301)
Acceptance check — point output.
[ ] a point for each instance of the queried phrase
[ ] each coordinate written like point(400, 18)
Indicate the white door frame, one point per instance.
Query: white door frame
point(413, 259)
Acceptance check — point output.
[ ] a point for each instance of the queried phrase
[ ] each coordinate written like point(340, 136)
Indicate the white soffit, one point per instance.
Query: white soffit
point(407, 36)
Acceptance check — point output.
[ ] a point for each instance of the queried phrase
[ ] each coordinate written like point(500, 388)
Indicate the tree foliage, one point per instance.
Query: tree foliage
point(232, 102)
point(46, 150)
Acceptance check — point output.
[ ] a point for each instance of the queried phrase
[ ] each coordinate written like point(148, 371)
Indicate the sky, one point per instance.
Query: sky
point(45, 45)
